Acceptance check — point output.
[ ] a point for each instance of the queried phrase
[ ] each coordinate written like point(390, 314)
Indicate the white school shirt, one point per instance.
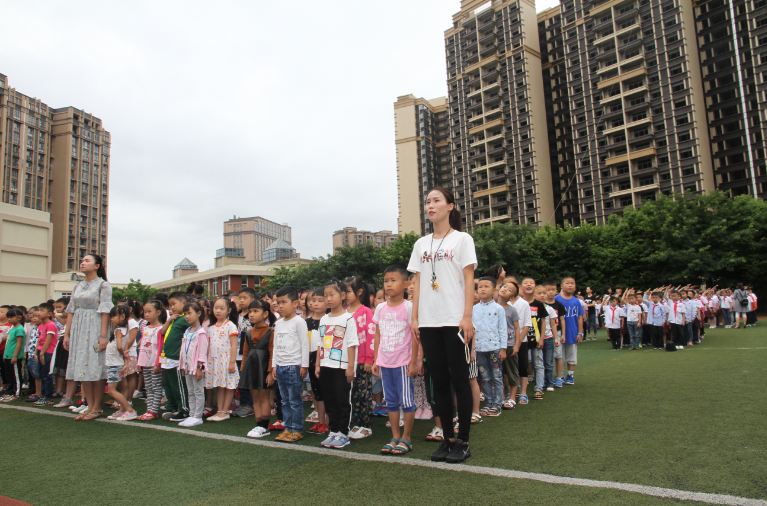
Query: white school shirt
point(704, 300)
point(525, 315)
point(446, 258)
point(633, 312)
point(726, 302)
point(714, 302)
point(613, 317)
point(752, 302)
point(676, 311)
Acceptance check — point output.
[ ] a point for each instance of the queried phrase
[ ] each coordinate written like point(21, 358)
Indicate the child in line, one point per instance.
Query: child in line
point(676, 319)
point(522, 308)
point(115, 362)
point(66, 388)
point(244, 298)
point(155, 315)
point(221, 371)
point(634, 314)
point(545, 338)
point(552, 347)
point(573, 326)
point(491, 338)
point(13, 355)
point(396, 356)
point(657, 315)
point(358, 301)
point(130, 346)
point(514, 343)
point(33, 368)
point(169, 349)
point(316, 305)
point(614, 322)
point(193, 362)
point(290, 362)
point(336, 363)
point(46, 344)
point(256, 364)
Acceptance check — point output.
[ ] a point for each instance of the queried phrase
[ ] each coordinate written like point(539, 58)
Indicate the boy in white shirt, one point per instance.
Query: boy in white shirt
point(614, 322)
point(633, 313)
point(290, 362)
point(676, 318)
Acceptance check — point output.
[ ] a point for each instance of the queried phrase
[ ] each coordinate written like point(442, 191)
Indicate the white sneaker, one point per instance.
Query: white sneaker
point(550, 389)
point(258, 432)
point(192, 422)
point(185, 422)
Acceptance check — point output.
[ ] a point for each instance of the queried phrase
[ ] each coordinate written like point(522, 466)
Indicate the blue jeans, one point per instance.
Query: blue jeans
point(289, 381)
point(548, 362)
point(46, 380)
point(635, 333)
point(489, 364)
point(688, 326)
point(537, 356)
point(727, 316)
point(246, 398)
point(591, 323)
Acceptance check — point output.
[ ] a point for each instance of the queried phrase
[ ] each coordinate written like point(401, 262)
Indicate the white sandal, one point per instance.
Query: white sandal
point(361, 433)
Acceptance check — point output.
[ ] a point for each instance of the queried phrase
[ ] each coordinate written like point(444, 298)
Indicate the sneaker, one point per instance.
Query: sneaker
point(168, 415)
point(65, 403)
point(442, 452)
point(32, 398)
point(116, 415)
point(180, 417)
point(570, 380)
point(42, 401)
point(550, 388)
point(459, 451)
point(419, 414)
point(80, 409)
point(127, 416)
point(138, 394)
point(330, 438)
point(243, 411)
point(314, 417)
point(258, 432)
point(558, 383)
point(339, 441)
point(277, 425)
point(427, 414)
point(193, 422)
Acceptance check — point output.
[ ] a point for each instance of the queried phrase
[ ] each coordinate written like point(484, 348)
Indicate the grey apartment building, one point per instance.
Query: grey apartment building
point(601, 105)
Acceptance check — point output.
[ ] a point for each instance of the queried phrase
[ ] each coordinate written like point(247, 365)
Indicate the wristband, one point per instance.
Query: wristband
point(580, 334)
point(103, 337)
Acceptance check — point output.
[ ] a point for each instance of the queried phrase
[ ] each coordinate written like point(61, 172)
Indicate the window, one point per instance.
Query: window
point(644, 181)
point(688, 171)
point(683, 136)
point(665, 176)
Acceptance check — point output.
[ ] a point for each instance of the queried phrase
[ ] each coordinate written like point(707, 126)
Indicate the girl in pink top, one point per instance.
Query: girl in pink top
point(358, 300)
point(193, 361)
point(155, 316)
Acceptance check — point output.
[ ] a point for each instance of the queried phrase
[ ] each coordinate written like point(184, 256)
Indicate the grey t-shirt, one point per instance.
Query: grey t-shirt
point(511, 317)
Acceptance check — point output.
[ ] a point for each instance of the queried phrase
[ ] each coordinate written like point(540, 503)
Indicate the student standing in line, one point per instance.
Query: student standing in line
point(573, 326)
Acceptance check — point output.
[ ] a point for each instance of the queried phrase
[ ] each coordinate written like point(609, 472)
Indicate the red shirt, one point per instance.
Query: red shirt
point(42, 331)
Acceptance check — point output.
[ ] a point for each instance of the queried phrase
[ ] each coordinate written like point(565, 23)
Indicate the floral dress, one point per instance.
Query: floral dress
point(89, 301)
point(219, 348)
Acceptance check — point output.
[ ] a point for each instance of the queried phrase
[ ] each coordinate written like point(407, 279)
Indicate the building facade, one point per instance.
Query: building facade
point(253, 235)
point(575, 113)
point(350, 236)
point(57, 161)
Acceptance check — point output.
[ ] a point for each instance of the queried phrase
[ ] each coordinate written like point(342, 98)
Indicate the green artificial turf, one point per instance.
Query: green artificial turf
point(690, 420)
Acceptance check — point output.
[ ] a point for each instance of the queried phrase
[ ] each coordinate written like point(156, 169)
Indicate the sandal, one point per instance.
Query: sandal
point(509, 404)
point(81, 416)
point(436, 434)
point(476, 418)
point(522, 399)
point(402, 450)
point(56, 395)
point(388, 447)
point(538, 395)
point(92, 415)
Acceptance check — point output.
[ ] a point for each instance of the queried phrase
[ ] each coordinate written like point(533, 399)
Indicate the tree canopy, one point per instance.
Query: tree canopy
point(713, 239)
point(136, 290)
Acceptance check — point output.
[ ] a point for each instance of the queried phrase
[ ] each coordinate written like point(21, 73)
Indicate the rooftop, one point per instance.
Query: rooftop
point(280, 244)
point(185, 264)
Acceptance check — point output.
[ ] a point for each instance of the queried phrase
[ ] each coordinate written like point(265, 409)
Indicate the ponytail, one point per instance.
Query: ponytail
point(455, 219)
point(101, 271)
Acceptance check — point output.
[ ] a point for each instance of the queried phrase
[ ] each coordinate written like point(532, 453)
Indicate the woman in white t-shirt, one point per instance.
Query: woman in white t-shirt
point(443, 298)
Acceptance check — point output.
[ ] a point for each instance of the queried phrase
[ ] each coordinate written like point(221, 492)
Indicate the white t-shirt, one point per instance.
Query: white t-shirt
point(613, 317)
point(726, 302)
point(552, 315)
point(445, 306)
point(291, 343)
point(525, 316)
point(632, 312)
point(133, 350)
point(113, 357)
point(338, 334)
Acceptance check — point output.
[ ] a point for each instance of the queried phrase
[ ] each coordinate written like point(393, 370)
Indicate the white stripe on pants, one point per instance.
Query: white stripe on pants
point(196, 395)
point(154, 390)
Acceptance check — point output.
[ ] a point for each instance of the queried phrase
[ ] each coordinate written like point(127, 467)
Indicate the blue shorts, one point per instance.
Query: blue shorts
point(33, 367)
point(398, 389)
point(377, 385)
point(113, 374)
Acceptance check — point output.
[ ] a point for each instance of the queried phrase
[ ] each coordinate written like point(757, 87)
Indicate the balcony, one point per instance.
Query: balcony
point(487, 36)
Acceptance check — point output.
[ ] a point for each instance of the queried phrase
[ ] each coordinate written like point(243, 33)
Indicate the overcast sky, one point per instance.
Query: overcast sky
point(282, 110)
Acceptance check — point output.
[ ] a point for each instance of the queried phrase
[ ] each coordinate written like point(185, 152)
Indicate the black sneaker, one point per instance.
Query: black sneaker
point(459, 452)
point(180, 417)
point(168, 415)
point(442, 452)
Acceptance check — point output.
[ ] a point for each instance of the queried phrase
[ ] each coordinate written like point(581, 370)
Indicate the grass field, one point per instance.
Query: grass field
point(693, 420)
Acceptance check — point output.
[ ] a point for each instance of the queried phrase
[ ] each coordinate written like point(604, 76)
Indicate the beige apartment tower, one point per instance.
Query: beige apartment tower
point(250, 237)
point(350, 236)
point(57, 161)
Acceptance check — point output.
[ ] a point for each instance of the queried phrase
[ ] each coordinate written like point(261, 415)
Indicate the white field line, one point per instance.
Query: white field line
point(501, 473)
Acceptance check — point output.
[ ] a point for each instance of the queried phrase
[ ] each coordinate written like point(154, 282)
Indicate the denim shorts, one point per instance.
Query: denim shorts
point(33, 367)
point(113, 374)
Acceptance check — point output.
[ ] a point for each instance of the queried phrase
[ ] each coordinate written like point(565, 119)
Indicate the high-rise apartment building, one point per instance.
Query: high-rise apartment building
point(580, 111)
point(350, 236)
point(57, 160)
point(253, 236)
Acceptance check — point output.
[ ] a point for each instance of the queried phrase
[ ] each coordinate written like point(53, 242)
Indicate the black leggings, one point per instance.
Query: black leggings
point(446, 356)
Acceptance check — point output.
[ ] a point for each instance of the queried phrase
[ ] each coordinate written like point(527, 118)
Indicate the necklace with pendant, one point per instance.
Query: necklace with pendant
point(434, 285)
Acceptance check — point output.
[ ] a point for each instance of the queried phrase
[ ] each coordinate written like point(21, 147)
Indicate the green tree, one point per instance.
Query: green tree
point(136, 290)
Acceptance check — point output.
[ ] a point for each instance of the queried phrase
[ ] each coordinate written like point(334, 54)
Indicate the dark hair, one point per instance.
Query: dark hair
point(102, 270)
point(6, 306)
point(118, 311)
point(191, 287)
point(318, 292)
point(495, 271)
point(269, 294)
point(607, 290)
point(455, 214)
point(739, 286)
point(50, 301)
point(196, 307)
point(570, 277)
point(516, 286)
point(265, 307)
point(356, 284)
point(399, 269)
point(614, 298)
point(63, 300)
point(287, 291)
point(180, 296)
point(249, 291)
point(549, 282)
point(335, 283)
point(657, 294)
point(233, 314)
point(13, 311)
point(205, 305)
point(135, 306)
point(162, 297)
point(157, 305)
point(46, 306)
point(672, 292)
point(489, 279)
point(198, 290)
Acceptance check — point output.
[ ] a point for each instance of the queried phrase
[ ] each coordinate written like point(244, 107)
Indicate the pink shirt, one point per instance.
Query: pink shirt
point(194, 350)
point(366, 334)
point(42, 331)
point(396, 346)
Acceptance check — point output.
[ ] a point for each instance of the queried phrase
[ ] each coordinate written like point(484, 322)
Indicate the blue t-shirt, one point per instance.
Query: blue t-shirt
point(573, 311)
